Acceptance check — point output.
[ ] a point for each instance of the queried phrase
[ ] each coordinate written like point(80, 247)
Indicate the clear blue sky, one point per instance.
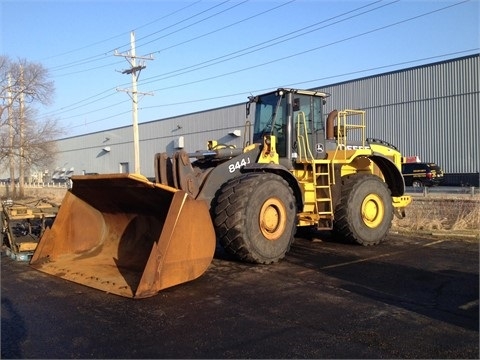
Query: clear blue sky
point(214, 53)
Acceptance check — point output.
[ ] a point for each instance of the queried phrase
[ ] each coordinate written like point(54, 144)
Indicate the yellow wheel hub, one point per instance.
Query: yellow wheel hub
point(373, 210)
point(272, 219)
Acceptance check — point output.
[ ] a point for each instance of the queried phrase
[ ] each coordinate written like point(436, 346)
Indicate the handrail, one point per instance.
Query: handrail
point(344, 127)
point(302, 137)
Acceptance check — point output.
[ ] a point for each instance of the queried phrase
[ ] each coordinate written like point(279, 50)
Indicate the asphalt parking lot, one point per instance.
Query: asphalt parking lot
point(410, 297)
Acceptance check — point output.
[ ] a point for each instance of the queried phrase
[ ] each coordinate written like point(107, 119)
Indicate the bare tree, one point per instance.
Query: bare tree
point(39, 141)
point(25, 141)
point(5, 87)
point(26, 79)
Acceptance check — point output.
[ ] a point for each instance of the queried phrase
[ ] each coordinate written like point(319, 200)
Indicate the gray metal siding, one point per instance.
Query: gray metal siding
point(430, 111)
point(85, 153)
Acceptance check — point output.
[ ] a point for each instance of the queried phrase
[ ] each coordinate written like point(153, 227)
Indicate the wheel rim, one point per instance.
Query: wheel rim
point(272, 219)
point(373, 210)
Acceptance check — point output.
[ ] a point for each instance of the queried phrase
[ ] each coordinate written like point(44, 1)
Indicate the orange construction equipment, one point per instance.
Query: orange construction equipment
point(125, 235)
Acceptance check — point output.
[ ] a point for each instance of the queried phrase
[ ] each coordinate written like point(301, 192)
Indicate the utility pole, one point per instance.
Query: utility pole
point(21, 159)
point(134, 70)
point(10, 136)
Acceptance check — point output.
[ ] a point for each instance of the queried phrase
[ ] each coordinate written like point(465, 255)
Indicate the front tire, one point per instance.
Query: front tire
point(364, 215)
point(255, 217)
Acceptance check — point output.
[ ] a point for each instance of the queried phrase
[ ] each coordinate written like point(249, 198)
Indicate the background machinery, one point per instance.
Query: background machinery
point(133, 237)
point(22, 224)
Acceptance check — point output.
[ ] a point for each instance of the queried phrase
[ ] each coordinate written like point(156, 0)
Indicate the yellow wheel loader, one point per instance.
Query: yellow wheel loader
point(126, 235)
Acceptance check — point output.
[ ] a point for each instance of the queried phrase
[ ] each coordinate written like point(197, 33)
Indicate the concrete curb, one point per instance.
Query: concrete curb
point(466, 234)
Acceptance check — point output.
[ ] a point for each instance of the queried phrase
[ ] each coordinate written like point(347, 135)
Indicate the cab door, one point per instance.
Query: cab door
point(308, 125)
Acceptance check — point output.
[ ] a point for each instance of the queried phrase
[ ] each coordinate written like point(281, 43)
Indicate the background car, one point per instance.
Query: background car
point(420, 174)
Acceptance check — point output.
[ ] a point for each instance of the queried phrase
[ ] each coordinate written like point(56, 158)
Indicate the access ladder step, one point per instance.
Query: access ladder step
point(324, 228)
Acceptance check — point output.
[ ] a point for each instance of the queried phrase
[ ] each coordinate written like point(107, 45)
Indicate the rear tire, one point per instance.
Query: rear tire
point(417, 183)
point(364, 215)
point(255, 217)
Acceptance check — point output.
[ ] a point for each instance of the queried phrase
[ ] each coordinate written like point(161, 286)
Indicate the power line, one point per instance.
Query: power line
point(249, 92)
point(313, 49)
point(115, 37)
point(265, 44)
point(227, 26)
point(98, 57)
point(184, 20)
point(195, 23)
point(77, 104)
point(368, 70)
point(103, 55)
point(102, 119)
point(90, 69)
point(115, 63)
point(316, 48)
point(145, 81)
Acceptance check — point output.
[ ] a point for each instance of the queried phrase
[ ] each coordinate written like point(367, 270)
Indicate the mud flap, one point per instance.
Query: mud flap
point(125, 235)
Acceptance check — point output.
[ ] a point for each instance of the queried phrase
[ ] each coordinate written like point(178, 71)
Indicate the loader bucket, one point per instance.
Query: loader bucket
point(125, 235)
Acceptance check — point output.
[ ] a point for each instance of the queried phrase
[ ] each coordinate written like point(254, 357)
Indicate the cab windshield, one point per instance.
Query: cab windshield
point(269, 115)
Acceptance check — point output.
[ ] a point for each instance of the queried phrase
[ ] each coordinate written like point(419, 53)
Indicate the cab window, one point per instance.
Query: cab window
point(310, 109)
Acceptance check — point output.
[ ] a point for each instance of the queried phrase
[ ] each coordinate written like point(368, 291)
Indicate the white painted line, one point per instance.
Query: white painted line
point(379, 256)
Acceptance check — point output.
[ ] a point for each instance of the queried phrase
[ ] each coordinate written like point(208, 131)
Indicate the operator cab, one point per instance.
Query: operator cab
point(295, 118)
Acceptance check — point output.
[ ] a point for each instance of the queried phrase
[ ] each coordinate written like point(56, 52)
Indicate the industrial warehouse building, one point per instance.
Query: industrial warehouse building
point(429, 111)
